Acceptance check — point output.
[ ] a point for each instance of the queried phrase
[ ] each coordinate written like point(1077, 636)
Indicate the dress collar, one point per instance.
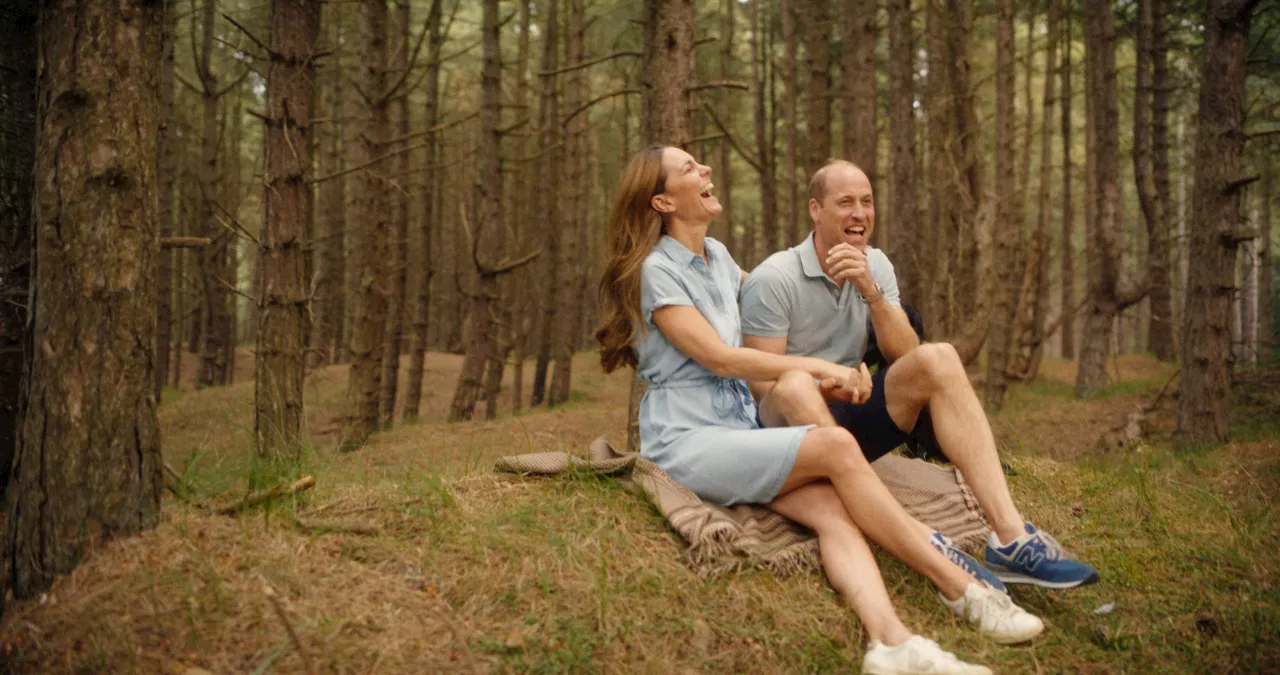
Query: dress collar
point(677, 251)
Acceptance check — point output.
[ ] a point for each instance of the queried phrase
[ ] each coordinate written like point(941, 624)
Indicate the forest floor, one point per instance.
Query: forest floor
point(412, 556)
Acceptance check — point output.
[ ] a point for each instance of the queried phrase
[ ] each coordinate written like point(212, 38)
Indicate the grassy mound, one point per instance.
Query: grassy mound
point(412, 556)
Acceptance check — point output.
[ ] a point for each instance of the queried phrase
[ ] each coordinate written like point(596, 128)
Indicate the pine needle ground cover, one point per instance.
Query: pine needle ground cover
point(412, 556)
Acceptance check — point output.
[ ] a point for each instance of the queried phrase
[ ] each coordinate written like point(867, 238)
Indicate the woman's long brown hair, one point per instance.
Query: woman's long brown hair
point(634, 228)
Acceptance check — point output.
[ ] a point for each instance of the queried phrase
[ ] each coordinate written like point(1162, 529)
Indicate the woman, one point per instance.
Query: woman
point(671, 312)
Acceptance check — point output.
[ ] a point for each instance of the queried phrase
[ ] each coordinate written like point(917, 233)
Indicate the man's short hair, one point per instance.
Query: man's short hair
point(818, 184)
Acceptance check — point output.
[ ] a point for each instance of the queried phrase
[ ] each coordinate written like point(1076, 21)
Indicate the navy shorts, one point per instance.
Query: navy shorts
point(870, 423)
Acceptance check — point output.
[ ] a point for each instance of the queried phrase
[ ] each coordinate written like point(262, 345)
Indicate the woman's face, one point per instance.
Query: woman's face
point(687, 194)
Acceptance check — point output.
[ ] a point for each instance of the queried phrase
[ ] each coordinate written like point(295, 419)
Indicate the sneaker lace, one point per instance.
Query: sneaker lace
point(1052, 549)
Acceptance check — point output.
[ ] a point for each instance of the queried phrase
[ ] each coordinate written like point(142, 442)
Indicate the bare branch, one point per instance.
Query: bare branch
point(256, 498)
point(288, 626)
point(247, 34)
point(732, 140)
point(394, 90)
point(185, 242)
point(715, 84)
point(367, 164)
point(603, 97)
point(437, 128)
point(234, 83)
point(588, 64)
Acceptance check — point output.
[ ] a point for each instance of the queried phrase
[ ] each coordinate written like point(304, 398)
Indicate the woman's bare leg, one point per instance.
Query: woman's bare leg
point(831, 453)
point(848, 560)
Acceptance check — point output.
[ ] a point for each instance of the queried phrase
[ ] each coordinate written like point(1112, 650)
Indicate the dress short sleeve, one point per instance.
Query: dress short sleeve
point(660, 287)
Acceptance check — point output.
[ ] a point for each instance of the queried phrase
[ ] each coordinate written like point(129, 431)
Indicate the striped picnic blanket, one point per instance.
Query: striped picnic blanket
point(723, 538)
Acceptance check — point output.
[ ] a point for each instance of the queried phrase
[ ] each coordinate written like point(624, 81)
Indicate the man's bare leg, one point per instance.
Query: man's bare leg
point(932, 374)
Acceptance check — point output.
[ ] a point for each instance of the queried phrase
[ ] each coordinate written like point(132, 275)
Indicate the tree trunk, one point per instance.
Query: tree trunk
point(907, 245)
point(520, 285)
point(1266, 274)
point(18, 56)
point(399, 212)
point(420, 286)
point(816, 26)
point(282, 312)
point(791, 232)
point(327, 305)
point(668, 59)
point(1033, 302)
point(547, 201)
point(489, 245)
point(1160, 338)
point(166, 171)
point(231, 195)
point(88, 464)
point(368, 190)
point(1109, 294)
point(1008, 213)
point(858, 62)
point(1068, 324)
point(937, 304)
point(724, 181)
point(212, 258)
point(569, 312)
point(760, 74)
point(1204, 406)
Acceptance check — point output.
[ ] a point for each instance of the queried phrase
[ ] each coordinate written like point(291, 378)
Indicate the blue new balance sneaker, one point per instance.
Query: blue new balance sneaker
point(1036, 558)
point(966, 562)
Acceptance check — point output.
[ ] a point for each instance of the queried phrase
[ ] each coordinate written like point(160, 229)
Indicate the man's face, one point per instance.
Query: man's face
point(847, 213)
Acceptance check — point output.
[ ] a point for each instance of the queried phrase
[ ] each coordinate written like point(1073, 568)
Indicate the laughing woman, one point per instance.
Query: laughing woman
point(670, 295)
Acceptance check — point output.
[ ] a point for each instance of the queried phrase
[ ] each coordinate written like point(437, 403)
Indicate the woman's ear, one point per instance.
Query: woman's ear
point(662, 203)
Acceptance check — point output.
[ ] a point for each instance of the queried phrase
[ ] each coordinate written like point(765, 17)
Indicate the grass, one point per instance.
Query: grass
point(471, 571)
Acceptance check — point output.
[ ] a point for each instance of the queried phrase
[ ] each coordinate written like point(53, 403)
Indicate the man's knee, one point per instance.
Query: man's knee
point(939, 362)
point(842, 456)
point(795, 385)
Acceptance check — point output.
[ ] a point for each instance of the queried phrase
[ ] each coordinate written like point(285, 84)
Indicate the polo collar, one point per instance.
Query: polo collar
point(677, 251)
point(809, 259)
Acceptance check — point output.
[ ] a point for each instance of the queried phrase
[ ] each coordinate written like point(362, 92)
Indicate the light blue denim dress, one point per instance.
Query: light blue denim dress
point(701, 428)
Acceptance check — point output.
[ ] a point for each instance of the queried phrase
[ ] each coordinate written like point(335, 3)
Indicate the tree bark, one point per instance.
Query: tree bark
point(765, 155)
point(1160, 338)
point(937, 304)
point(668, 57)
point(724, 181)
point(791, 230)
point(327, 303)
point(368, 190)
point(816, 27)
point(906, 244)
point(1109, 294)
point(88, 464)
point(569, 312)
point(282, 313)
point(1068, 324)
point(166, 171)
point(1266, 273)
point(212, 259)
point(18, 55)
point(421, 253)
point(547, 202)
point(1033, 303)
point(1205, 404)
point(1008, 211)
point(520, 285)
point(231, 196)
point(489, 245)
point(398, 199)
point(858, 61)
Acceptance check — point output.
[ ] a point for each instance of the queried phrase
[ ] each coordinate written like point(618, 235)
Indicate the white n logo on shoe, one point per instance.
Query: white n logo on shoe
point(1028, 558)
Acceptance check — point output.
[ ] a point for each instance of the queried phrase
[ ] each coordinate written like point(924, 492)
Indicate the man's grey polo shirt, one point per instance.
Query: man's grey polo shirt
point(789, 296)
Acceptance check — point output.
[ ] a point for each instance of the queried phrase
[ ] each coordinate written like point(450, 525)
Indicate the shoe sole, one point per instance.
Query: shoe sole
point(1015, 578)
point(893, 671)
point(1015, 638)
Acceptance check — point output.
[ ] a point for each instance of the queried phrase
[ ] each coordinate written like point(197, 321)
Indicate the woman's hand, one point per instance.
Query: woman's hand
point(847, 384)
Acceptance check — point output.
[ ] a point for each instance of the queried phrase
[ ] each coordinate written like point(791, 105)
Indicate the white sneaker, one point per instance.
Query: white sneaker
point(995, 614)
point(916, 656)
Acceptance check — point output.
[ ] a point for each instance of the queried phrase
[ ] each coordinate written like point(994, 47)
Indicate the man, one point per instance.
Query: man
point(815, 300)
